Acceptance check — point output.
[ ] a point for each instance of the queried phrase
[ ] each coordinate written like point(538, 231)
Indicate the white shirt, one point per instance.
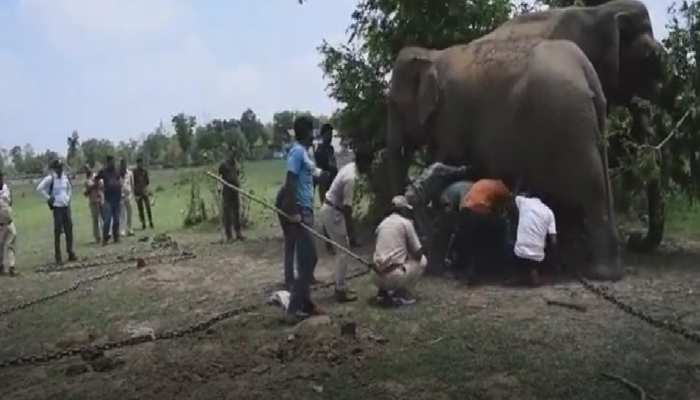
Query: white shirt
point(342, 189)
point(535, 222)
point(396, 240)
point(62, 189)
point(128, 184)
point(5, 194)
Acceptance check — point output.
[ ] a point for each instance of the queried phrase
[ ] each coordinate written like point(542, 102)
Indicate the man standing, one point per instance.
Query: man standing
point(127, 197)
point(229, 171)
point(57, 189)
point(399, 255)
point(336, 217)
point(112, 187)
point(537, 230)
point(479, 223)
point(141, 182)
point(93, 192)
point(325, 160)
point(8, 232)
point(298, 203)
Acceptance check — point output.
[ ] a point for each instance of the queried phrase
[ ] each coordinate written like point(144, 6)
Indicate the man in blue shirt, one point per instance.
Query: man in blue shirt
point(298, 203)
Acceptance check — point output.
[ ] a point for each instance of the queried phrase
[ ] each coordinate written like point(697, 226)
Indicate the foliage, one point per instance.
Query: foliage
point(196, 209)
point(72, 155)
point(184, 131)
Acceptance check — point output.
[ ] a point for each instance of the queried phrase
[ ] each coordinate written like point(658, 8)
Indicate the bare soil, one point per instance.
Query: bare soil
point(484, 342)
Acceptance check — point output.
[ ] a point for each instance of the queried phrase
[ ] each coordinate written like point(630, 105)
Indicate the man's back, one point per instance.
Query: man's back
point(396, 240)
point(535, 222)
point(342, 189)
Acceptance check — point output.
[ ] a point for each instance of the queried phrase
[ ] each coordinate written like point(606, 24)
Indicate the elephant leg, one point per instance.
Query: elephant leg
point(605, 263)
point(444, 226)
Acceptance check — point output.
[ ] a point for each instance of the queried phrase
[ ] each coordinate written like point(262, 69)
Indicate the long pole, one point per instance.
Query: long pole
point(303, 225)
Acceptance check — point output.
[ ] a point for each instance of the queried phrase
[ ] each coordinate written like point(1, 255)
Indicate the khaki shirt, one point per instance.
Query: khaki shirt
point(397, 240)
point(5, 208)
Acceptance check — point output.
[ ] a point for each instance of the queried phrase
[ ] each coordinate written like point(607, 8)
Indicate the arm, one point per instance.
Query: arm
point(348, 194)
point(414, 245)
point(69, 189)
point(43, 187)
point(289, 201)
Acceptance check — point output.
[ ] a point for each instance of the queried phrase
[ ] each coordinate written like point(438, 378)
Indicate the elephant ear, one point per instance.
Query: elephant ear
point(428, 94)
point(614, 30)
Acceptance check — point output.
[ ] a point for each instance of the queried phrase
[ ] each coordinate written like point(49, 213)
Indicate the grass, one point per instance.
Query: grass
point(171, 187)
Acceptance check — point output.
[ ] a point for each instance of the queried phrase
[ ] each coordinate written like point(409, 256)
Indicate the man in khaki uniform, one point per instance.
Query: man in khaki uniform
point(93, 192)
point(398, 255)
point(8, 232)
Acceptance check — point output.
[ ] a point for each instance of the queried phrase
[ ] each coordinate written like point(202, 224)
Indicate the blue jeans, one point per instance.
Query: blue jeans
point(306, 264)
point(110, 218)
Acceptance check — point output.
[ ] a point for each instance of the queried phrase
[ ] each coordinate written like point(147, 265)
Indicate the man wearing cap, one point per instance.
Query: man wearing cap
point(398, 255)
point(479, 220)
point(8, 232)
point(93, 192)
point(57, 189)
point(336, 217)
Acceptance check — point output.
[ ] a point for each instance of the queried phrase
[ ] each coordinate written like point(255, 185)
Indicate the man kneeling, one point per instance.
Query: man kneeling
point(537, 231)
point(398, 255)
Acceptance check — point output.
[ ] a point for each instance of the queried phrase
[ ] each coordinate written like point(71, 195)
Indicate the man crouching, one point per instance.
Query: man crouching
point(398, 255)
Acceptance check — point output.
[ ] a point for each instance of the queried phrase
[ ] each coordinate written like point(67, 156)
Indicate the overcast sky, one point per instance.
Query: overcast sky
point(115, 68)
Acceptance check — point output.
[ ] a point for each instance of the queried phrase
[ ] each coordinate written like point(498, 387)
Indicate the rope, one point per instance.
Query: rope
point(289, 217)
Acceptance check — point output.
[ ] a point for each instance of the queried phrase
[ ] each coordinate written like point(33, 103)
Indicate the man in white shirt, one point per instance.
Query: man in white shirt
point(8, 232)
point(337, 220)
point(537, 232)
point(57, 189)
point(127, 199)
point(398, 255)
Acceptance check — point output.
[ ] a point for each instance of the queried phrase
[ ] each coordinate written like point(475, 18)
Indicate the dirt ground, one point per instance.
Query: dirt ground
point(485, 342)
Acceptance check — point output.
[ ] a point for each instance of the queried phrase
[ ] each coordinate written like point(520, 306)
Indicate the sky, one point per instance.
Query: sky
point(116, 68)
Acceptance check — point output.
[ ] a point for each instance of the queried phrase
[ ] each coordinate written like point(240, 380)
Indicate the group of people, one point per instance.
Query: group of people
point(110, 194)
point(399, 257)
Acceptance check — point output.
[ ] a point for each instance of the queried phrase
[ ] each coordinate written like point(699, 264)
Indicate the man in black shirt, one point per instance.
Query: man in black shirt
point(141, 182)
point(112, 184)
point(230, 209)
point(325, 160)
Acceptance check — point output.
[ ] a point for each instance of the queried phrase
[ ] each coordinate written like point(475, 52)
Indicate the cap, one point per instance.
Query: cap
point(401, 202)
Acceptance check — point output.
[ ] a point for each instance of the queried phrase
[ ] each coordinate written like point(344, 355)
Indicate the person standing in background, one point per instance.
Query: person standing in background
point(231, 205)
point(325, 160)
point(57, 189)
point(127, 197)
point(112, 187)
point(141, 182)
point(8, 232)
point(93, 192)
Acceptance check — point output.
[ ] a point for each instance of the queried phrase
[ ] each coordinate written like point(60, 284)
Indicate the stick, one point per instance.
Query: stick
point(629, 385)
point(573, 306)
point(303, 225)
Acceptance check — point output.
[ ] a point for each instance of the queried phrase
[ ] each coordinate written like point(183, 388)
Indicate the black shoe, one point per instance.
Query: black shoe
point(151, 225)
point(59, 261)
point(72, 257)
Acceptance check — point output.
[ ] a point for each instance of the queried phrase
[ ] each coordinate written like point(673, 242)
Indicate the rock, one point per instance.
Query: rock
point(348, 329)
point(317, 388)
point(140, 263)
point(105, 364)
point(91, 354)
point(260, 369)
point(377, 338)
point(76, 369)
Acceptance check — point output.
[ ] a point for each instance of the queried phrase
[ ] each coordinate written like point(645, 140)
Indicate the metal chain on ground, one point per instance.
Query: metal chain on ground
point(95, 264)
point(605, 294)
point(78, 283)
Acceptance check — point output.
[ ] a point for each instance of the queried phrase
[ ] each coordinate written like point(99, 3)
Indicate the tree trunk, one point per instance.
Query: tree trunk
point(655, 225)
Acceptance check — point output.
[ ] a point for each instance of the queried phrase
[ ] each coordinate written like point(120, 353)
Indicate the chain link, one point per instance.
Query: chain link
point(95, 264)
point(78, 283)
point(605, 294)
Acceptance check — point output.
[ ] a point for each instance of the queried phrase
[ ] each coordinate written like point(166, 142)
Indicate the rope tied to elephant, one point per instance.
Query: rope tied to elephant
point(308, 228)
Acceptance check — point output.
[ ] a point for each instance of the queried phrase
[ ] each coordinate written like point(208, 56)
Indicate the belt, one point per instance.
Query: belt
point(327, 202)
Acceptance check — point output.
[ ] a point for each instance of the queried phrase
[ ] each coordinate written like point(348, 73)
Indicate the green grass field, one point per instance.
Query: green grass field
point(172, 192)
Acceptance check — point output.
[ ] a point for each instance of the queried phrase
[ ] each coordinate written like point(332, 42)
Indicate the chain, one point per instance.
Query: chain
point(94, 264)
point(78, 283)
point(137, 340)
point(605, 294)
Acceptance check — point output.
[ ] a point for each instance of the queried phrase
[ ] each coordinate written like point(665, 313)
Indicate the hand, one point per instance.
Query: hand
point(295, 218)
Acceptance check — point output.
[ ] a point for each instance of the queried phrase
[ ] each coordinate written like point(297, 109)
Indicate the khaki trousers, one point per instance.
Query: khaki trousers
point(8, 236)
point(405, 277)
point(334, 223)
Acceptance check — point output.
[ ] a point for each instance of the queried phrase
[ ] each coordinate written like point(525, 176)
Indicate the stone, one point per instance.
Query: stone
point(312, 324)
point(76, 369)
point(106, 364)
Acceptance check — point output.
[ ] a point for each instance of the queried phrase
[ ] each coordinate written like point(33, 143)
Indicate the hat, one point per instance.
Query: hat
point(401, 202)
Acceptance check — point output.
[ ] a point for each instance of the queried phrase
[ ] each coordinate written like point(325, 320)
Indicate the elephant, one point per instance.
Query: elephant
point(528, 102)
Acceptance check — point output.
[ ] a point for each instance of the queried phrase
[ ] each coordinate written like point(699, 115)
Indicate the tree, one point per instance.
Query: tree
point(282, 123)
point(251, 127)
point(184, 131)
point(73, 149)
point(96, 150)
point(17, 158)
